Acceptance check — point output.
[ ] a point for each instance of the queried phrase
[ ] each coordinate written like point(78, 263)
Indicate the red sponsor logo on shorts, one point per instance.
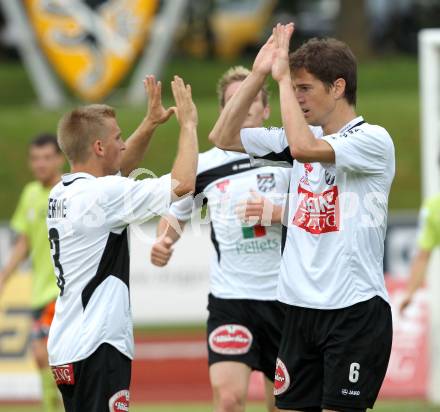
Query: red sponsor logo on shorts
point(317, 213)
point(282, 378)
point(120, 401)
point(230, 340)
point(63, 374)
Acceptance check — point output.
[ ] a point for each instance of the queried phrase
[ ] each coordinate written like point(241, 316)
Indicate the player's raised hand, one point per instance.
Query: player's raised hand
point(156, 113)
point(264, 60)
point(161, 251)
point(186, 110)
point(282, 35)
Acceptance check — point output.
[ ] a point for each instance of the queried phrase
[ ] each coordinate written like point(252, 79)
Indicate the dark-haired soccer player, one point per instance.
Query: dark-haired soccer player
point(338, 330)
point(29, 222)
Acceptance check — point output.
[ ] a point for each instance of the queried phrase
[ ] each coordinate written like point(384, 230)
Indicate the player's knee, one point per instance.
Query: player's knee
point(229, 400)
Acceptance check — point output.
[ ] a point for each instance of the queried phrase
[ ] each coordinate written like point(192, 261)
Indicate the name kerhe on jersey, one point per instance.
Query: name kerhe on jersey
point(56, 208)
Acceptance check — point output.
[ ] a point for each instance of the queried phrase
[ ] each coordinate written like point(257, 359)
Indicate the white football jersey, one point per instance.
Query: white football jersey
point(247, 259)
point(87, 222)
point(337, 218)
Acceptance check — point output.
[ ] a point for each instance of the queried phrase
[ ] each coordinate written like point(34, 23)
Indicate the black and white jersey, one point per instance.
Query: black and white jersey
point(247, 258)
point(333, 255)
point(87, 220)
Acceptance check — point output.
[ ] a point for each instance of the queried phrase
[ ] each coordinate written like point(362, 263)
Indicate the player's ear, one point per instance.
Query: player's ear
point(98, 148)
point(339, 88)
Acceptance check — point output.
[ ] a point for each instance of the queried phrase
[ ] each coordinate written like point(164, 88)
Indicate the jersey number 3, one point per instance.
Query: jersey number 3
point(54, 238)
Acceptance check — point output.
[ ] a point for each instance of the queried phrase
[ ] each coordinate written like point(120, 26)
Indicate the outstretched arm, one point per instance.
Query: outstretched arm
point(226, 131)
point(137, 143)
point(18, 255)
point(417, 276)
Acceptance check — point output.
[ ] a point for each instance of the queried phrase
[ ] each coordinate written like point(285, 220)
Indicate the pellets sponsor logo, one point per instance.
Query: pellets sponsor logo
point(282, 378)
point(257, 246)
point(120, 401)
point(317, 213)
point(91, 44)
point(230, 340)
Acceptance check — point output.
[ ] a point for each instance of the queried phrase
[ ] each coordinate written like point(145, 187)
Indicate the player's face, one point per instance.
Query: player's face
point(45, 163)
point(113, 146)
point(257, 113)
point(314, 98)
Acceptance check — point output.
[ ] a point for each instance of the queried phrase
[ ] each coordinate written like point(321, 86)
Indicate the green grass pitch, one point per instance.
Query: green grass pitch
point(383, 406)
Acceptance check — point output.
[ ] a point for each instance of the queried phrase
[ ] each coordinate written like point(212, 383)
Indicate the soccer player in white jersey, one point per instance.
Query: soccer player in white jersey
point(91, 338)
point(338, 329)
point(244, 324)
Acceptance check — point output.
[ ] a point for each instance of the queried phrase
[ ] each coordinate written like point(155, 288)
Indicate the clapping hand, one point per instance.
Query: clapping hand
point(156, 113)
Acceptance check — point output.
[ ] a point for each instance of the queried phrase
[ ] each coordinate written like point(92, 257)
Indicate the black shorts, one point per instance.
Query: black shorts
point(99, 383)
point(333, 359)
point(246, 331)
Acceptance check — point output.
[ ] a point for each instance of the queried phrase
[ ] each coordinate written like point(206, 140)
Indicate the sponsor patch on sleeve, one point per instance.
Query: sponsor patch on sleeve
point(282, 379)
point(120, 401)
point(230, 340)
point(63, 374)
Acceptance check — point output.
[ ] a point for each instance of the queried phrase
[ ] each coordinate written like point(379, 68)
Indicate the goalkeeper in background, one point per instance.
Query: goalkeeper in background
point(428, 239)
point(29, 222)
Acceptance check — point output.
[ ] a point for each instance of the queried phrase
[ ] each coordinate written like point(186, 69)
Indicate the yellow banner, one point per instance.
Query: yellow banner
point(91, 44)
point(15, 326)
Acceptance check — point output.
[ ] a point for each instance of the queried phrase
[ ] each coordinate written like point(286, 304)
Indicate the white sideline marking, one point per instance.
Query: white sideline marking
point(20, 386)
point(170, 350)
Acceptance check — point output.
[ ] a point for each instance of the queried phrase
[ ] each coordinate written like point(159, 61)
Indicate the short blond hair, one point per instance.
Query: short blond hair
point(236, 74)
point(78, 129)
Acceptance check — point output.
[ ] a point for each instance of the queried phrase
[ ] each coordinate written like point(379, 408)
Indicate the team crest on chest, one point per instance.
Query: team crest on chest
point(266, 182)
point(329, 178)
point(91, 44)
